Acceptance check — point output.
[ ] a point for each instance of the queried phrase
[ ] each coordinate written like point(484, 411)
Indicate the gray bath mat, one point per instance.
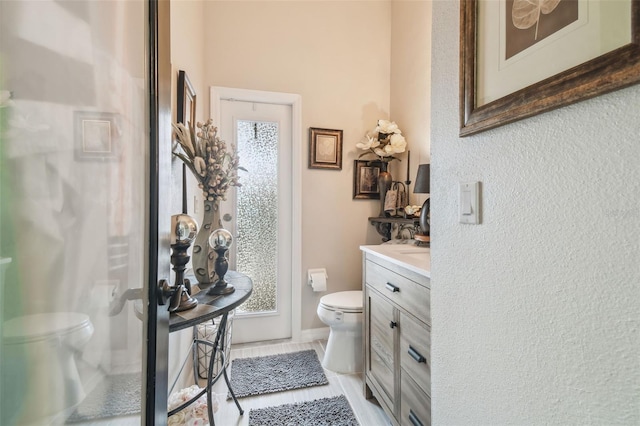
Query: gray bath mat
point(115, 396)
point(275, 373)
point(334, 411)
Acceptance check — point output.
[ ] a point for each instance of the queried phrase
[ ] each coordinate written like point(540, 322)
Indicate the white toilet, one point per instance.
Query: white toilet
point(342, 312)
point(47, 344)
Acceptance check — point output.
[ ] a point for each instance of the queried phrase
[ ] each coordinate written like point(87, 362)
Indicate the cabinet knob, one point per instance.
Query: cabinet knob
point(393, 324)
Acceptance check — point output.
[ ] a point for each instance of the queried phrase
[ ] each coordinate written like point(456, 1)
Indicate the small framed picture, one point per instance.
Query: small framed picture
point(325, 149)
point(365, 180)
point(97, 135)
point(186, 101)
point(186, 114)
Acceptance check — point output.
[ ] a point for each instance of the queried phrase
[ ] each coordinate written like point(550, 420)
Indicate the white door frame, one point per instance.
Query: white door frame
point(217, 94)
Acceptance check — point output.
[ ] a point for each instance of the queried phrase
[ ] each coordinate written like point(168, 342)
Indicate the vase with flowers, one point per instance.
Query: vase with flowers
point(383, 142)
point(216, 169)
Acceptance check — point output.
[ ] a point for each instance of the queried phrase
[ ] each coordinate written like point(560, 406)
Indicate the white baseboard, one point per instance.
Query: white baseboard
point(313, 334)
point(306, 336)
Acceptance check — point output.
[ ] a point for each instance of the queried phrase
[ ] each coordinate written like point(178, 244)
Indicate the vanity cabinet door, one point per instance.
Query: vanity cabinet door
point(382, 323)
point(397, 320)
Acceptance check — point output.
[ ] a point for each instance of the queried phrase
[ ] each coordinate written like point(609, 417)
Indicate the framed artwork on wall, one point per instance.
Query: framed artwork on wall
point(97, 135)
point(365, 180)
point(325, 149)
point(186, 113)
point(520, 58)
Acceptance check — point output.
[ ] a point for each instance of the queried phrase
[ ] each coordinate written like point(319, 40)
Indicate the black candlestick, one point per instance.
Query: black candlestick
point(181, 299)
point(408, 181)
point(220, 240)
point(184, 232)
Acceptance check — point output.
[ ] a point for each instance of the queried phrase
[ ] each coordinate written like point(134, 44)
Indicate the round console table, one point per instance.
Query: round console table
point(208, 308)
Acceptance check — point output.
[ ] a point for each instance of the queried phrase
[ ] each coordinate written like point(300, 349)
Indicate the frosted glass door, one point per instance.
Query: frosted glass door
point(259, 215)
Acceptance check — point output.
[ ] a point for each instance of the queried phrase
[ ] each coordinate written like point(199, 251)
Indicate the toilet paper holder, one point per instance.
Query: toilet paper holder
point(310, 272)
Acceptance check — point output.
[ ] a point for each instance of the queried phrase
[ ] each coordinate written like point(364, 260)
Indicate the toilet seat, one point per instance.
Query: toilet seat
point(36, 327)
point(344, 301)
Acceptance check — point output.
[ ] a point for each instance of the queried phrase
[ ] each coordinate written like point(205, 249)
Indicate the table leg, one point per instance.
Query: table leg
point(194, 354)
point(219, 344)
point(212, 359)
point(233, 395)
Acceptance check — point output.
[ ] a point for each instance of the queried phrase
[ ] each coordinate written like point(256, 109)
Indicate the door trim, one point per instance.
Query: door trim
point(217, 94)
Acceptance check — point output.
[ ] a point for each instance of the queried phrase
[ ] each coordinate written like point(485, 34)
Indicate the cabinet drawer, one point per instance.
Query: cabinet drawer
point(415, 351)
point(406, 293)
point(415, 405)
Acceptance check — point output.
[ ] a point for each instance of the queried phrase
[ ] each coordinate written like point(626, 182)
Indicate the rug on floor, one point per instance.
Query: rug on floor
point(334, 411)
point(117, 395)
point(275, 373)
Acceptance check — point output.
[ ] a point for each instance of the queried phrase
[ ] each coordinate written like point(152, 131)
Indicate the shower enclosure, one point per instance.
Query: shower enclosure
point(85, 152)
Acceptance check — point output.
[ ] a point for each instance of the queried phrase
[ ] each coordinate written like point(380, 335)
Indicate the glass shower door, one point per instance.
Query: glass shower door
point(76, 203)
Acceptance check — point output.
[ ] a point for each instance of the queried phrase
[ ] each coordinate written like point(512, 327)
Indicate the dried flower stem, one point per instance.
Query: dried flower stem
point(207, 157)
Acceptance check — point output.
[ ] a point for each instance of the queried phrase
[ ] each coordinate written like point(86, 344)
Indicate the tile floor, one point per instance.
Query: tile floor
point(368, 412)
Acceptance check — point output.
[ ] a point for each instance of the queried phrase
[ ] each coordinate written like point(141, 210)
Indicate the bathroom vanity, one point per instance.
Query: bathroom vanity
point(397, 331)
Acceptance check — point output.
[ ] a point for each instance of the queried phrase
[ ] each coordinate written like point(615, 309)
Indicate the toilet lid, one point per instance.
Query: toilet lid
point(350, 301)
point(29, 328)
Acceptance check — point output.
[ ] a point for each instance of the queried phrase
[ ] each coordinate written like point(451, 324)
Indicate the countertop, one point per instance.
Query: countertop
point(414, 258)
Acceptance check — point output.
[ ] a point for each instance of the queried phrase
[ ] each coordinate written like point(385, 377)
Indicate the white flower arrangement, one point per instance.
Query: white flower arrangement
point(207, 157)
point(195, 414)
point(384, 141)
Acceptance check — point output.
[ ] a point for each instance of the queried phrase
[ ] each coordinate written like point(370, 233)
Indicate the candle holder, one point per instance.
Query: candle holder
point(220, 240)
point(408, 181)
point(185, 229)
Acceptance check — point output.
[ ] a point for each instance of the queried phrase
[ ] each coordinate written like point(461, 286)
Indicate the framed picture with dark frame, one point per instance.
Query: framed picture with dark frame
point(365, 180)
point(325, 149)
point(186, 113)
point(97, 135)
point(517, 61)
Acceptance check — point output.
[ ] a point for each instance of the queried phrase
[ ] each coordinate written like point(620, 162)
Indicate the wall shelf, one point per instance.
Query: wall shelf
point(386, 226)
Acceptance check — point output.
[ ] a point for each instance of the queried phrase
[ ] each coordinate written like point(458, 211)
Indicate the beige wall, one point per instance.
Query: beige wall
point(187, 45)
point(410, 82)
point(535, 311)
point(353, 63)
point(336, 56)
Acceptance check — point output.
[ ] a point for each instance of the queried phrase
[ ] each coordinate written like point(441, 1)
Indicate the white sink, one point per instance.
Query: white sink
point(415, 258)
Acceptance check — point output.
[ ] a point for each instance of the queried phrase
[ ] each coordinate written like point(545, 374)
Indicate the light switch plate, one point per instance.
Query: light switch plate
point(469, 201)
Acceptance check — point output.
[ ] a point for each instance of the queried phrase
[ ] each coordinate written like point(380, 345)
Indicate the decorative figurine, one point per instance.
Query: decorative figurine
point(220, 240)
